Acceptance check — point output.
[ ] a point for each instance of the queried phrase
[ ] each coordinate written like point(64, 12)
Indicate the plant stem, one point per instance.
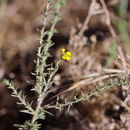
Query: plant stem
point(36, 111)
point(42, 92)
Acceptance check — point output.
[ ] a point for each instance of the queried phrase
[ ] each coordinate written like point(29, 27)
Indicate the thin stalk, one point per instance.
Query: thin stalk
point(40, 98)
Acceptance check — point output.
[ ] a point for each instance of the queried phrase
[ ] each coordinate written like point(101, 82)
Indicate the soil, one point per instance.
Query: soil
point(91, 54)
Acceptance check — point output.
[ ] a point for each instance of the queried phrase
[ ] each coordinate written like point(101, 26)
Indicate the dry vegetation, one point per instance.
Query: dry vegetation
point(99, 54)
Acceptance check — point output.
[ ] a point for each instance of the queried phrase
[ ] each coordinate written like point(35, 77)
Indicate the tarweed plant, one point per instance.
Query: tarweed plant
point(44, 72)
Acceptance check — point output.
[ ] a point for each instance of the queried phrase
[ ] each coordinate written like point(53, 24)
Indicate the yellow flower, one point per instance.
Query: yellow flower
point(66, 55)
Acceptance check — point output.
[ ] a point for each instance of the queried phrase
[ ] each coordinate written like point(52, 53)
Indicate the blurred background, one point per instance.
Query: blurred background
point(96, 50)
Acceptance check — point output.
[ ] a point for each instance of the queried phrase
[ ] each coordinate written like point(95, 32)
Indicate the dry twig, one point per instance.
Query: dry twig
point(108, 20)
point(93, 10)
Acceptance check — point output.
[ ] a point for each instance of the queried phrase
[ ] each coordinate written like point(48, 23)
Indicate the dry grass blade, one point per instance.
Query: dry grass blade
point(85, 82)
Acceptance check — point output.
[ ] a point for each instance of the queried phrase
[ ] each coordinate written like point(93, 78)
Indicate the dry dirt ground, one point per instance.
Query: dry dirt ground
point(94, 51)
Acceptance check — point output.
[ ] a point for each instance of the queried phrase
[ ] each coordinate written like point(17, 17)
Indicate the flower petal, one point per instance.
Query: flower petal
point(68, 53)
point(63, 50)
point(68, 58)
point(64, 57)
